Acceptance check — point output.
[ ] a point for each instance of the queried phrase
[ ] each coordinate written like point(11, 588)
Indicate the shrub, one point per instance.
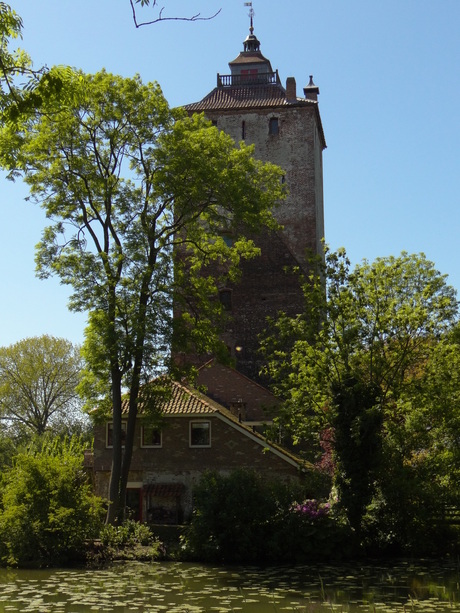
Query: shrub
point(47, 508)
point(242, 518)
point(128, 534)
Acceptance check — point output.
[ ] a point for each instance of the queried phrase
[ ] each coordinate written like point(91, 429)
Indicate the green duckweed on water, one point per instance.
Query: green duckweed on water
point(424, 587)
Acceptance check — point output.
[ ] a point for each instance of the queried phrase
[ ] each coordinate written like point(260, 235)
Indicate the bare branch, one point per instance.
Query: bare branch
point(160, 17)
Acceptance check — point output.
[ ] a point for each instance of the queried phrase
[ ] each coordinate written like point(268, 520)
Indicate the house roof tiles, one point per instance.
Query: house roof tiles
point(183, 400)
point(176, 399)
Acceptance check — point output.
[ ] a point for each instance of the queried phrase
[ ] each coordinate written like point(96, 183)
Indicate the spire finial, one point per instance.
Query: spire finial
point(251, 16)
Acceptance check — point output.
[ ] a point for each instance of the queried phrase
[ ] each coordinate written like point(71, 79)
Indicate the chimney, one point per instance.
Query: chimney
point(291, 89)
point(311, 91)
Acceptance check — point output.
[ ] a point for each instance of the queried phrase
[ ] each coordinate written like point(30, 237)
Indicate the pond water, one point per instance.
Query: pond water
point(426, 587)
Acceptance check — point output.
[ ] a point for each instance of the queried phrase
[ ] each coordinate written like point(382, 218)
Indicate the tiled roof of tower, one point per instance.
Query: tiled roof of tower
point(239, 97)
point(250, 57)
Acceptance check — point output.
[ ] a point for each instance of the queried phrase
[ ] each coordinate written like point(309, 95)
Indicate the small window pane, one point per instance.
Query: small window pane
point(151, 436)
point(110, 434)
point(200, 434)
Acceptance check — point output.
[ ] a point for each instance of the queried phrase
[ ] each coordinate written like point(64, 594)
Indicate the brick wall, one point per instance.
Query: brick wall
point(176, 462)
point(229, 450)
point(266, 287)
point(230, 388)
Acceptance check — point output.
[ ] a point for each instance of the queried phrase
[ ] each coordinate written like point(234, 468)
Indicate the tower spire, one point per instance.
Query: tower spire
point(251, 43)
point(251, 17)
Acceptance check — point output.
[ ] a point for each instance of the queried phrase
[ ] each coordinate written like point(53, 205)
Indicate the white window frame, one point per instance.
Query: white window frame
point(151, 446)
point(201, 422)
point(124, 427)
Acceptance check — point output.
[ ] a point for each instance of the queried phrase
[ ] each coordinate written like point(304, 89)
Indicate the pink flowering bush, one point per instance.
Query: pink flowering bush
point(312, 509)
point(244, 518)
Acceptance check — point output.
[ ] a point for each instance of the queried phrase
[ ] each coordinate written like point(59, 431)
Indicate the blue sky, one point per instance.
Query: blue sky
point(389, 100)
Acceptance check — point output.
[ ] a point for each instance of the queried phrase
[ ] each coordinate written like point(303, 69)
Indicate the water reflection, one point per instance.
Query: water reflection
point(185, 588)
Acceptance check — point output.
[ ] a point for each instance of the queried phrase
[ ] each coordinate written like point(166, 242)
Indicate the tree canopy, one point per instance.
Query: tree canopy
point(12, 62)
point(373, 361)
point(38, 384)
point(23, 88)
point(139, 197)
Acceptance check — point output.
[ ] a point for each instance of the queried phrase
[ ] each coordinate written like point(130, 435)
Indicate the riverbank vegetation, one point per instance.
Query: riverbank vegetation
point(47, 507)
point(370, 376)
point(242, 519)
point(49, 516)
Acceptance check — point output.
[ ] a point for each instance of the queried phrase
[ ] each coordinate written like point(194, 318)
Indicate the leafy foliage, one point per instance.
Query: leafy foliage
point(373, 360)
point(128, 534)
point(12, 63)
point(47, 509)
point(23, 89)
point(138, 196)
point(243, 518)
point(38, 384)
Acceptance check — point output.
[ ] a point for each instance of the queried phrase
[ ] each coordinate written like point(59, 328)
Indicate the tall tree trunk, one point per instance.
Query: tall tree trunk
point(135, 384)
point(127, 456)
point(115, 503)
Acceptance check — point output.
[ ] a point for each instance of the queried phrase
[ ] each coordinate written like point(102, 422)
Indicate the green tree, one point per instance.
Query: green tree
point(7, 449)
point(38, 384)
point(23, 89)
point(12, 63)
point(362, 359)
point(139, 197)
point(47, 509)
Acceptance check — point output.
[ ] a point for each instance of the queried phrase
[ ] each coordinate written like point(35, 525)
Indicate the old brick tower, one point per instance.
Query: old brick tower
point(251, 104)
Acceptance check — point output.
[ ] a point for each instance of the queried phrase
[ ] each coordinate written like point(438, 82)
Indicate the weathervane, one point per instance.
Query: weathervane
point(251, 15)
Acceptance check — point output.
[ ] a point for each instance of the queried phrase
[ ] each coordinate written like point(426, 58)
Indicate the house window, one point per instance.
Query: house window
point(110, 434)
point(243, 130)
point(225, 297)
point(214, 122)
point(273, 126)
point(200, 434)
point(151, 436)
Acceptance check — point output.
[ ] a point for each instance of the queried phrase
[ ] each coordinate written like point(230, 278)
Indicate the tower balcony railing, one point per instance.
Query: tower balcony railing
point(263, 78)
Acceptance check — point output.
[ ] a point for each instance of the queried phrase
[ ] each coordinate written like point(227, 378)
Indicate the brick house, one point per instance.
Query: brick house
point(196, 434)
